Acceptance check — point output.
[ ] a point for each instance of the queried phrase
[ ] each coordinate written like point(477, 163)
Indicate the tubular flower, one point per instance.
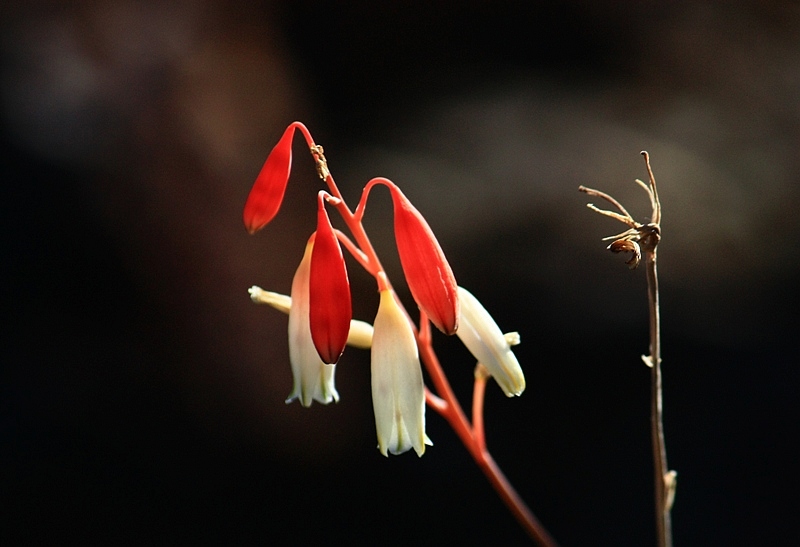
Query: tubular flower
point(398, 394)
point(313, 379)
point(329, 291)
point(266, 195)
point(427, 271)
point(483, 338)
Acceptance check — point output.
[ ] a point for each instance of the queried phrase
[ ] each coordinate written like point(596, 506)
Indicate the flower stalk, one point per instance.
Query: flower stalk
point(473, 438)
point(321, 323)
point(641, 240)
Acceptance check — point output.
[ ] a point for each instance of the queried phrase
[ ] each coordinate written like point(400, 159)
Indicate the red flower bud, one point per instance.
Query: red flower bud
point(329, 291)
point(427, 271)
point(267, 193)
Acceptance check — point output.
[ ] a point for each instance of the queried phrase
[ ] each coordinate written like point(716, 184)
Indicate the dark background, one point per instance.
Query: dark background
point(142, 393)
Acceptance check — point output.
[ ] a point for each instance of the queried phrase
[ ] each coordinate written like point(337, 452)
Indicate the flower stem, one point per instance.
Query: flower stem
point(473, 440)
point(365, 253)
point(662, 495)
point(478, 392)
point(645, 237)
point(664, 479)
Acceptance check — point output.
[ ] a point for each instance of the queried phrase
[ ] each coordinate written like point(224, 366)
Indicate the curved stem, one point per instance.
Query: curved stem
point(434, 401)
point(455, 416)
point(453, 413)
point(357, 253)
point(366, 254)
point(478, 392)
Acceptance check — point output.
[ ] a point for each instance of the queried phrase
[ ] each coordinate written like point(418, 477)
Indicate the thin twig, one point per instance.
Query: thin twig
point(645, 237)
point(608, 198)
point(664, 492)
point(663, 519)
point(656, 219)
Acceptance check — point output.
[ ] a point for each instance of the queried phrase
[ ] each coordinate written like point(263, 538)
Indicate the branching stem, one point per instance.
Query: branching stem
point(473, 439)
point(644, 238)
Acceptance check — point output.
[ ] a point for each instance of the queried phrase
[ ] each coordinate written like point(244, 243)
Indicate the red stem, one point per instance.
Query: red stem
point(455, 416)
point(478, 391)
point(372, 264)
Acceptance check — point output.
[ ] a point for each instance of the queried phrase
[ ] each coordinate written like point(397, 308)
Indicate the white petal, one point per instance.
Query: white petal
point(398, 393)
point(313, 379)
point(278, 301)
point(360, 335)
point(479, 332)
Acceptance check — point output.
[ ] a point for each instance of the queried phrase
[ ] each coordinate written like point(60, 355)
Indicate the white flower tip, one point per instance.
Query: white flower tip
point(323, 396)
point(360, 335)
point(398, 391)
point(511, 380)
point(420, 448)
point(280, 302)
point(397, 446)
point(489, 345)
point(314, 382)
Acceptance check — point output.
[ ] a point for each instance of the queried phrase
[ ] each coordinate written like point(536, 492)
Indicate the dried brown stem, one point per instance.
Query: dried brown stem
point(645, 238)
point(660, 468)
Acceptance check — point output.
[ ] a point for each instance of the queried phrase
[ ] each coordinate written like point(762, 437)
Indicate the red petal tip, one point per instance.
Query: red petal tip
point(266, 196)
point(329, 292)
point(427, 271)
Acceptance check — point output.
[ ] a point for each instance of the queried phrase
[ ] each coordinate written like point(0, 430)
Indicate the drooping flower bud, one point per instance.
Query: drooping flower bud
point(267, 193)
point(398, 393)
point(331, 309)
point(427, 271)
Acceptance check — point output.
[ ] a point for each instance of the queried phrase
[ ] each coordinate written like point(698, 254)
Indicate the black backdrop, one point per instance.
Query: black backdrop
point(141, 393)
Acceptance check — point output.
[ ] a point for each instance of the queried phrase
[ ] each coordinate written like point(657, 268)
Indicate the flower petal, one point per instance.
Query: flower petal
point(329, 290)
point(313, 379)
point(427, 271)
point(398, 393)
point(483, 338)
point(280, 302)
point(266, 195)
point(360, 335)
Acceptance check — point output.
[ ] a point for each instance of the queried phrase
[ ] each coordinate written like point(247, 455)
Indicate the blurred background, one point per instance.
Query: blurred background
point(142, 393)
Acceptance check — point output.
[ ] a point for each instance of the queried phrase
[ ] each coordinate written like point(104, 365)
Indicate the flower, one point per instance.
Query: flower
point(483, 338)
point(330, 308)
point(429, 276)
point(360, 335)
point(266, 196)
point(313, 379)
point(398, 394)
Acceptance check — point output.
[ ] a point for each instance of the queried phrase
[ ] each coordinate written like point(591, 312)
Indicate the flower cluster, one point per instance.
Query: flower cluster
point(320, 308)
